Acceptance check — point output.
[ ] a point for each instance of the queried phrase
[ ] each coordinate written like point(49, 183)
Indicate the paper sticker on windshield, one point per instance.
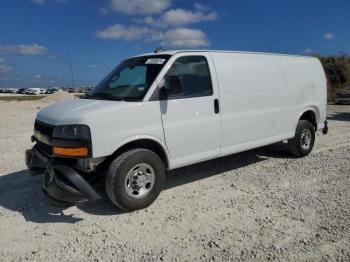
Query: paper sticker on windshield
point(155, 61)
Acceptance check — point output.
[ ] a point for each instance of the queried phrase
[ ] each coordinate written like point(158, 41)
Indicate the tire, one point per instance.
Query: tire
point(135, 179)
point(303, 141)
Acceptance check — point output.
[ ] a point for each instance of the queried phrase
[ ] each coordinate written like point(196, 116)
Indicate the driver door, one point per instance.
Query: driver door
point(191, 119)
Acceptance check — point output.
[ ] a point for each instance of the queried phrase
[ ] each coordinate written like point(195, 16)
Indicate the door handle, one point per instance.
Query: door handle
point(216, 106)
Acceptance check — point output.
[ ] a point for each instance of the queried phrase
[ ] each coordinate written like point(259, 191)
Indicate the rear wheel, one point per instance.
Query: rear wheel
point(135, 179)
point(303, 141)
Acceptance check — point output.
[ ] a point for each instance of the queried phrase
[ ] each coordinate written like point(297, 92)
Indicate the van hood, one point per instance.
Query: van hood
point(77, 111)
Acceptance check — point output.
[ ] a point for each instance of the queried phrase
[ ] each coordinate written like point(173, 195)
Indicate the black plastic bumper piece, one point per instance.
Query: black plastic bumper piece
point(65, 185)
point(325, 128)
point(35, 161)
point(61, 183)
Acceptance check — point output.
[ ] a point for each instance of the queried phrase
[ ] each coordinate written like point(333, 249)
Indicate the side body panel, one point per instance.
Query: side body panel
point(261, 101)
point(253, 108)
point(307, 87)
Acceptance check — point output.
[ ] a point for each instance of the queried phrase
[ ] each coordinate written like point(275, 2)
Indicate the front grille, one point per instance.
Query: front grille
point(44, 148)
point(43, 128)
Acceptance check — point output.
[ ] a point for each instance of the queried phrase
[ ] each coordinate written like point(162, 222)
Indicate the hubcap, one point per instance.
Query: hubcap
point(306, 138)
point(139, 181)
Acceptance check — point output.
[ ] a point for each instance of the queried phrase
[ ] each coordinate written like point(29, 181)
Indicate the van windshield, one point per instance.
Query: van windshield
point(130, 80)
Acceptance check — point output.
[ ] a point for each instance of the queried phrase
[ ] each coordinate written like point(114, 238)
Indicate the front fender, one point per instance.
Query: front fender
point(144, 137)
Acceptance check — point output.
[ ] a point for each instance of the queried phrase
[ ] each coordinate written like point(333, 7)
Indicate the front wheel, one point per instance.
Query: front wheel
point(135, 179)
point(303, 141)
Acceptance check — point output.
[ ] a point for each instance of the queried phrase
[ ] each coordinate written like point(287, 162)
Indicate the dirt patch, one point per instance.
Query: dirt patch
point(21, 98)
point(56, 97)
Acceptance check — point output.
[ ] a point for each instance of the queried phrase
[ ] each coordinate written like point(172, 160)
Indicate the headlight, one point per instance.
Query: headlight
point(72, 132)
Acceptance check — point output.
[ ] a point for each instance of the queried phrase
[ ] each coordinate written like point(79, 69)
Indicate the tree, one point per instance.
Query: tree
point(337, 68)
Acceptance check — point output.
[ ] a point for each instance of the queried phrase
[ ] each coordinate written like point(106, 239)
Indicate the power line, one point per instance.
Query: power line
point(71, 69)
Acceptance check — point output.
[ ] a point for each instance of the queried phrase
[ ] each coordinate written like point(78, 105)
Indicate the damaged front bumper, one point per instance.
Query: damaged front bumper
point(61, 183)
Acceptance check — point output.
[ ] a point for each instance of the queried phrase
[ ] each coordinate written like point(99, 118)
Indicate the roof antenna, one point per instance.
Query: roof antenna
point(158, 50)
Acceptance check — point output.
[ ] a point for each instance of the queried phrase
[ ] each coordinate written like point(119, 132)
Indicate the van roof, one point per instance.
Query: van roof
point(173, 52)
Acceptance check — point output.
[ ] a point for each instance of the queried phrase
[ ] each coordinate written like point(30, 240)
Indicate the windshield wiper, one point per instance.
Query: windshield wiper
point(110, 97)
point(103, 96)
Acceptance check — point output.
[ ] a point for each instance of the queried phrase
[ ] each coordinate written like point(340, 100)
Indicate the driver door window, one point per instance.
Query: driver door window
point(194, 76)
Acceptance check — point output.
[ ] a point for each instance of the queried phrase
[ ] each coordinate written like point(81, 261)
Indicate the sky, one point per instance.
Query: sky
point(37, 37)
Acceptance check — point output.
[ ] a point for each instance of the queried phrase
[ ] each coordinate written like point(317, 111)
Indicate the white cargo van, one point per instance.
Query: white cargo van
point(160, 111)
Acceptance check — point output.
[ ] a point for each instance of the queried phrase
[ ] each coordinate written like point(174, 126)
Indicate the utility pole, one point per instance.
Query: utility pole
point(71, 70)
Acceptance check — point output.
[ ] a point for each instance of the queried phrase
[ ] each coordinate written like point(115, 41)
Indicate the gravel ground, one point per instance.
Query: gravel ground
point(253, 206)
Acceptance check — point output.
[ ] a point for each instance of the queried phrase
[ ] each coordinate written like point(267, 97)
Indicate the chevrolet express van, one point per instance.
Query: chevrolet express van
point(160, 111)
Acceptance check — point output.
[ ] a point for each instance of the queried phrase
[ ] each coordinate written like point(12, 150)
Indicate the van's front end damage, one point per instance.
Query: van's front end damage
point(61, 182)
point(62, 154)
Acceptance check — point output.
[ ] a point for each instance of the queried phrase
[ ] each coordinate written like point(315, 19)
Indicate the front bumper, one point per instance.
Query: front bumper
point(61, 183)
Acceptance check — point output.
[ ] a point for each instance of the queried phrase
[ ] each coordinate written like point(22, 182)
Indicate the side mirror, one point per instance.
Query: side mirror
point(172, 85)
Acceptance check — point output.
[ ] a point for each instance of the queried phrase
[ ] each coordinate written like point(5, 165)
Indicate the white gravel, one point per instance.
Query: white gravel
point(253, 206)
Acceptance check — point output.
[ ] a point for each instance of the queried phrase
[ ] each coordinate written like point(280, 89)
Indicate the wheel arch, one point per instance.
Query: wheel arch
point(311, 114)
point(145, 142)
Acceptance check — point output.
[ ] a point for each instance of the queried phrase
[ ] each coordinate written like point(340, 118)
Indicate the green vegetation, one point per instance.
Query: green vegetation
point(20, 98)
point(338, 71)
